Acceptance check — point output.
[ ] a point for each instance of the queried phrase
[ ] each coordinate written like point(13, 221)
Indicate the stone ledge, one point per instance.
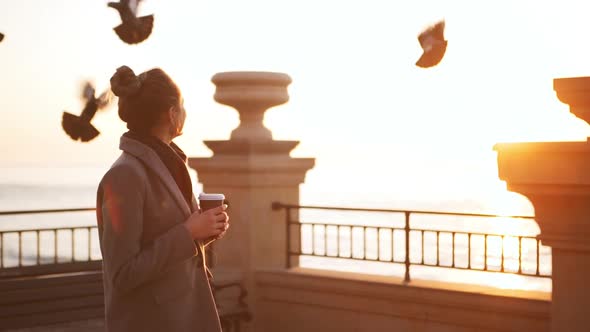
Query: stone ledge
point(299, 272)
point(332, 295)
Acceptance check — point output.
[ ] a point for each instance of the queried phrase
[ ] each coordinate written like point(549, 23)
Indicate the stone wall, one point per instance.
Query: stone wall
point(311, 300)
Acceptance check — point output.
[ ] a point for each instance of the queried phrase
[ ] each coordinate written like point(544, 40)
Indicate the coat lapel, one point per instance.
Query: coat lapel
point(152, 161)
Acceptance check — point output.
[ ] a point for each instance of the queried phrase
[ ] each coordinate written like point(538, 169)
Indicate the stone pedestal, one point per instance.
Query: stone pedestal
point(252, 170)
point(555, 177)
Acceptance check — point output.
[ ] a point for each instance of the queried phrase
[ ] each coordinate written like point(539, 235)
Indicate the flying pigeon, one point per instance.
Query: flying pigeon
point(133, 29)
point(79, 127)
point(434, 45)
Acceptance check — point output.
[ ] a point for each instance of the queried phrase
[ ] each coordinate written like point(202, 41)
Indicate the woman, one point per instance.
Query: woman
point(151, 232)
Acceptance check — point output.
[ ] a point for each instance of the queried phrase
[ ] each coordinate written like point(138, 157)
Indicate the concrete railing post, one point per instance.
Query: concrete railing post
point(252, 170)
point(555, 177)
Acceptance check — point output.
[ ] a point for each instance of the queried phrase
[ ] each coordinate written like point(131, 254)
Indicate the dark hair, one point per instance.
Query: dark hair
point(143, 98)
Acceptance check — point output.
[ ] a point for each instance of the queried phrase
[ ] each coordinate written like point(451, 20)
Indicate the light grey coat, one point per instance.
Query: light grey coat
point(154, 277)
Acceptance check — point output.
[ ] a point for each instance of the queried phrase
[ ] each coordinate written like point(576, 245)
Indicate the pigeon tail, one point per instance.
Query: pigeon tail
point(132, 33)
point(432, 57)
point(78, 129)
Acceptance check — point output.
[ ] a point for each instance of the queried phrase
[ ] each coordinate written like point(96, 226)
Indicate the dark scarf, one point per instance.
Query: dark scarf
point(174, 159)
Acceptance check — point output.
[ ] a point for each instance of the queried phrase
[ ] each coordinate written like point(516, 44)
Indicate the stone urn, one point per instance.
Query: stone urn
point(251, 94)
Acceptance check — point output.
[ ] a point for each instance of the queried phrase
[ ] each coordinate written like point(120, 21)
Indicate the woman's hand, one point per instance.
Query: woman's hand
point(208, 224)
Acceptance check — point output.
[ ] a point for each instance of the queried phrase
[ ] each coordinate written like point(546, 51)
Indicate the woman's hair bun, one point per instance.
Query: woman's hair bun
point(124, 82)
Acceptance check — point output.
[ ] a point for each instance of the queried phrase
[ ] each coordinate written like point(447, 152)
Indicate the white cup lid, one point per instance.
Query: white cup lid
point(211, 197)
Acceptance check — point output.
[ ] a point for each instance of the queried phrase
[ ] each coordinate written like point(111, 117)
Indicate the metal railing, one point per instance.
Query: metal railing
point(231, 315)
point(40, 262)
point(345, 239)
point(80, 240)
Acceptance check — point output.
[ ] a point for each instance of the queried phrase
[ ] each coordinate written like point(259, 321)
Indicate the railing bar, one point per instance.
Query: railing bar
point(437, 248)
point(300, 243)
point(280, 205)
point(73, 245)
point(434, 265)
point(453, 250)
point(364, 242)
point(38, 247)
point(378, 243)
point(520, 254)
point(292, 222)
point(12, 213)
point(313, 239)
point(326, 240)
point(422, 233)
point(469, 251)
point(407, 244)
point(288, 234)
point(7, 231)
point(392, 245)
point(90, 243)
point(1, 250)
point(55, 246)
point(351, 241)
point(20, 249)
point(538, 257)
point(485, 252)
point(338, 240)
point(318, 223)
point(502, 261)
point(464, 268)
point(466, 233)
point(349, 225)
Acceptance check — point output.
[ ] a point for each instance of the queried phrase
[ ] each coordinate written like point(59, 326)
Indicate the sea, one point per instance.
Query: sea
point(37, 188)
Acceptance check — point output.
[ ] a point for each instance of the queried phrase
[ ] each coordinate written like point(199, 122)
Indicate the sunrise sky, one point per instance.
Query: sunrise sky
point(357, 100)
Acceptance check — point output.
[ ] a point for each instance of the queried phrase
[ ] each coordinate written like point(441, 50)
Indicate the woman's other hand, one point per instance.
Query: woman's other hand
point(208, 224)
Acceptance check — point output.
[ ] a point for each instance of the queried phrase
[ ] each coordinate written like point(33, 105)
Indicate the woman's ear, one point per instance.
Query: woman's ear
point(172, 121)
point(172, 115)
point(176, 121)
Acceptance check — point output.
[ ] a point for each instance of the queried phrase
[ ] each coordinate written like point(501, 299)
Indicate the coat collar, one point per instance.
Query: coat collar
point(151, 160)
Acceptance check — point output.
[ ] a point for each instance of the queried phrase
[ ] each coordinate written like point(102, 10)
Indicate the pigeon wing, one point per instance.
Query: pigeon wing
point(146, 25)
point(432, 34)
point(71, 125)
point(87, 91)
point(77, 128)
point(135, 34)
point(104, 99)
point(438, 31)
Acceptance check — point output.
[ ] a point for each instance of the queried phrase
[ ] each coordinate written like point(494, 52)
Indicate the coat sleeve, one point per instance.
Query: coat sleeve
point(120, 208)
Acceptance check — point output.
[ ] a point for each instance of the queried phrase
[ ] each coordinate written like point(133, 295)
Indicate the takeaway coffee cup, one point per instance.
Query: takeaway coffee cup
point(210, 201)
